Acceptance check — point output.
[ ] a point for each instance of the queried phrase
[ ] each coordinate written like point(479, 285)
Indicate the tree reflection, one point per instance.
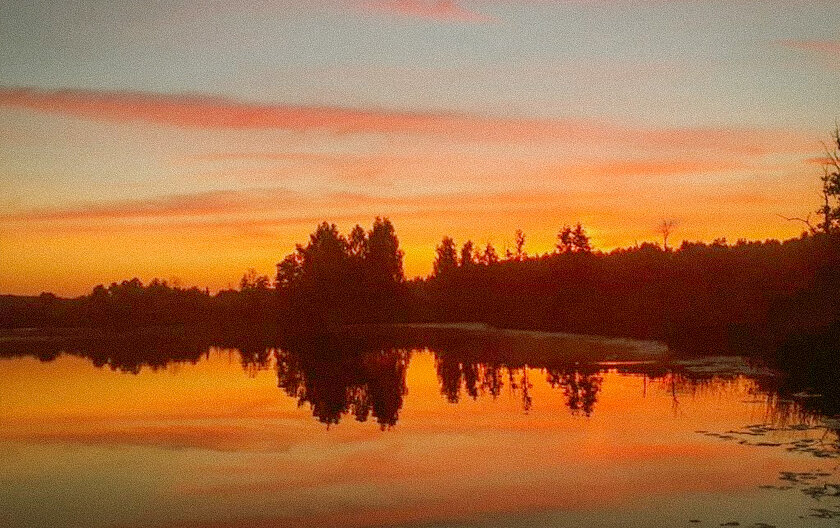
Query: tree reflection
point(364, 377)
point(457, 376)
point(255, 360)
point(580, 388)
point(336, 380)
point(121, 352)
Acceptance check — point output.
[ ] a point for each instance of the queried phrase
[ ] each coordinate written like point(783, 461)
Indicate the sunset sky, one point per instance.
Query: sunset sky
point(193, 140)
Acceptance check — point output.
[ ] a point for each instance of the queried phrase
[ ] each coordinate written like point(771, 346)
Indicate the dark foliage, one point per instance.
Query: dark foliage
point(699, 298)
point(334, 281)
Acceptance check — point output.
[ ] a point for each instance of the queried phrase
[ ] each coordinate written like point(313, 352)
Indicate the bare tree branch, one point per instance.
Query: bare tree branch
point(665, 228)
point(806, 221)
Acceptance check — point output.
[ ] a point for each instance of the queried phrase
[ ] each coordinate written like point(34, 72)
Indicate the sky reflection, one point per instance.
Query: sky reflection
point(217, 443)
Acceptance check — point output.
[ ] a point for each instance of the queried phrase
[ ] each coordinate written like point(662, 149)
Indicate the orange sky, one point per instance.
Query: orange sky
point(227, 202)
point(140, 153)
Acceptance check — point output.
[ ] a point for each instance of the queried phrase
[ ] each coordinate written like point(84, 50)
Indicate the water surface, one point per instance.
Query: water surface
point(458, 433)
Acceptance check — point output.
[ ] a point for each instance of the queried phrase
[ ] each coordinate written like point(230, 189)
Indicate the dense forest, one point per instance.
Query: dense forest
point(716, 295)
point(747, 296)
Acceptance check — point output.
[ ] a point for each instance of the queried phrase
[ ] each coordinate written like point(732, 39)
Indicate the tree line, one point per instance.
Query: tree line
point(750, 294)
point(704, 294)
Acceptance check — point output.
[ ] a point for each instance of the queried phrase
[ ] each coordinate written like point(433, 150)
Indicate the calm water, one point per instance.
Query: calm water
point(449, 435)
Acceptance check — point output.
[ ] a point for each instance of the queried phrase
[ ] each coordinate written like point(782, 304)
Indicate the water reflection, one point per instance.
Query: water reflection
point(336, 379)
point(364, 377)
point(581, 388)
point(524, 428)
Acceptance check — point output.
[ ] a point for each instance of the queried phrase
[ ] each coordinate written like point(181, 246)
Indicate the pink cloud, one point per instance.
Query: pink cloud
point(820, 160)
point(437, 10)
point(649, 168)
point(829, 47)
point(826, 52)
point(215, 113)
point(196, 204)
point(272, 207)
point(386, 168)
point(277, 206)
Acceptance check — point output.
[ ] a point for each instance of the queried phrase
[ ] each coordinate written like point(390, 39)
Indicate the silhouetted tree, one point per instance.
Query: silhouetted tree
point(446, 257)
point(357, 241)
point(665, 228)
point(251, 281)
point(573, 240)
point(383, 273)
point(289, 270)
point(519, 242)
point(467, 254)
point(830, 209)
point(489, 256)
point(321, 299)
point(335, 280)
point(382, 253)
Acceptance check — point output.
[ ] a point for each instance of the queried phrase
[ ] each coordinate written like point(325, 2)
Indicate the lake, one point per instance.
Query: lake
point(456, 428)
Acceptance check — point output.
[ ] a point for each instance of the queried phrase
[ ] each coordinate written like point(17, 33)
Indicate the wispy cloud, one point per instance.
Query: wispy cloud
point(435, 169)
point(206, 112)
point(829, 47)
point(826, 52)
point(820, 160)
point(279, 206)
point(193, 204)
point(648, 168)
point(435, 10)
point(276, 206)
point(215, 113)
